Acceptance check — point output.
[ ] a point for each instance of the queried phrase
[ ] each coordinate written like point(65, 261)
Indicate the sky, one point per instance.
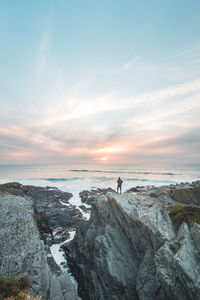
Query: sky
point(110, 81)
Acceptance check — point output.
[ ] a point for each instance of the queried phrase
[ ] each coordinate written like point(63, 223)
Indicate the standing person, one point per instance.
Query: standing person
point(119, 185)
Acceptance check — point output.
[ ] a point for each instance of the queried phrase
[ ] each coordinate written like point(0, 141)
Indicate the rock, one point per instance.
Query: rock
point(89, 196)
point(21, 249)
point(85, 209)
point(138, 189)
point(54, 215)
point(68, 289)
point(13, 188)
point(182, 213)
point(187, 193)
point(130, 249)
point(55, 289)
point(195, 231)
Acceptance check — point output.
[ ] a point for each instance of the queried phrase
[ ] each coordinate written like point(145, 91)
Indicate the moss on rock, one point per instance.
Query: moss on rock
point(15, 288)
point(187, 214)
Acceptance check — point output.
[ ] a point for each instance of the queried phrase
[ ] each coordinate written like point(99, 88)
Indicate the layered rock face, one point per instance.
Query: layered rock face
point(23, 252)
point(130, 248)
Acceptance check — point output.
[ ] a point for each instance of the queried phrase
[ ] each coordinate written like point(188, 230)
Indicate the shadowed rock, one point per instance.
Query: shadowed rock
point(54, 214)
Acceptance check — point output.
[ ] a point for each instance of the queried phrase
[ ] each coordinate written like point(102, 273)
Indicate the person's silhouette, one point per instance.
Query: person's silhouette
point(119, 185)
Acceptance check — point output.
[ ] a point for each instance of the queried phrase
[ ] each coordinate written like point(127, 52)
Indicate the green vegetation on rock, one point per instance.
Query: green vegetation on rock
point(15, 288)
point(187, 214)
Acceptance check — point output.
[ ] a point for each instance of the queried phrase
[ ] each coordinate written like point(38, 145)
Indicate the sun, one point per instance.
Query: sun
point(104, 158)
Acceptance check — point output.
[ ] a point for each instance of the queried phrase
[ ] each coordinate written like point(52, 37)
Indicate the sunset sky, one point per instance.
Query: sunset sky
point(110, 81)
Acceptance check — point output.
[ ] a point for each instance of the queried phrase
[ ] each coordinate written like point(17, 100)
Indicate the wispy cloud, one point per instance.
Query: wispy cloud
point(77, 108)
point(131, 62)
point(42, 59)
point(189, 56)
point(75, 126)
point(163, 94)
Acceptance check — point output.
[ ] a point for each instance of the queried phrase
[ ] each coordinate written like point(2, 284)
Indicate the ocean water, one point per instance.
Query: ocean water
point(75, 178)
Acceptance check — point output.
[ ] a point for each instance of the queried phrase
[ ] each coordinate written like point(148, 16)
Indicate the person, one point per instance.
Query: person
point(119, 185)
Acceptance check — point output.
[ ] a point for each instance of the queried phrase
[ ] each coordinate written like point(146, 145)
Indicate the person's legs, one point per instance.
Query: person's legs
point(119, 187)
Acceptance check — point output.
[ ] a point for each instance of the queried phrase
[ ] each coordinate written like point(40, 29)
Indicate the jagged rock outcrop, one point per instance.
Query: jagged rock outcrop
point(130, 249)
point(55, 215)
point(89, 196)
point(23, 252)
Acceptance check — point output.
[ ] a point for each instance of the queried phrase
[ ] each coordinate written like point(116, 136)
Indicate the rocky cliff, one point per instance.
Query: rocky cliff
point(141, 245)
point(22, 251)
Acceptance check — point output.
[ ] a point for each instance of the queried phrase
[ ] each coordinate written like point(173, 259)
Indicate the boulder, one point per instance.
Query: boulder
point(89, 196)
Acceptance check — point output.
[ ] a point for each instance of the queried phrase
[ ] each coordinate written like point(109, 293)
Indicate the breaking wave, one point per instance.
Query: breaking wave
point(102, 179)
point(150, 180)
point(125, 172)
point(59, 179)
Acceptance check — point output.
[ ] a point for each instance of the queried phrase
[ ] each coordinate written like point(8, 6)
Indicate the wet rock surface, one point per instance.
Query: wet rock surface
point(130, 248)
point(54, 214)
point(85, 209)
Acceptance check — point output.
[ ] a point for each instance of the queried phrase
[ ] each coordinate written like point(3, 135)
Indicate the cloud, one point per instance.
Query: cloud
point(136, 125)
point(176, 146)
point(42, 58)
point(184, 140)
point(131, 62)
point(69, 108)
point(189, 56)
point(109, 150)
point(162, 94)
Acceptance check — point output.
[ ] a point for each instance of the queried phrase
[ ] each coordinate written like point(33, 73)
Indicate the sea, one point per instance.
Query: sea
point(75, 178)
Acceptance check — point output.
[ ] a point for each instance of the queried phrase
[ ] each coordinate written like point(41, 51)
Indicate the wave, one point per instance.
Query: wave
point(72, 179)
point(151, 180)
point(81, 171)
point(126, 172)
point(102, 179)
point(58, 179)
